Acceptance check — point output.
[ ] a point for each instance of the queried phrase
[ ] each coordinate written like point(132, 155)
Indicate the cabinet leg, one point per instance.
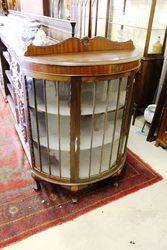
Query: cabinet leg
point(74, 198)
point(37, 185)
point(157, 144)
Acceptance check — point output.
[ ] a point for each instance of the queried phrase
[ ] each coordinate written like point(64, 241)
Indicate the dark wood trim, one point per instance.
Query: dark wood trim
point(5, 7)
point(5, 66)
point(46, 7)
point(90, 19)
point(75, 116)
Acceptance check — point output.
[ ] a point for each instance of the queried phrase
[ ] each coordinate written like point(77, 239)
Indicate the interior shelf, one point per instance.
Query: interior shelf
point(84, 161)
point(25, 145)
point(85, 139)
point(9, 76)
point(10, 90)
point(96, 159)
point(86, 109)
point(132, 25)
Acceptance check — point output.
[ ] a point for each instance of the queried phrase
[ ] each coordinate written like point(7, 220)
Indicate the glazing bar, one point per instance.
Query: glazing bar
point(127, 110)
point(93, 125)
point(59, 131)
point(115, 121)
point(47, 127)
point(37, 124)
point(81, 18)
point(104, 127)
point(85, 17)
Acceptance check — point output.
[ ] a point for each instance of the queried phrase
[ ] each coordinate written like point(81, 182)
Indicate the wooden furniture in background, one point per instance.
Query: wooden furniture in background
point(72, 107)
point(158, 112)
point(162, 132)
point(147, 80)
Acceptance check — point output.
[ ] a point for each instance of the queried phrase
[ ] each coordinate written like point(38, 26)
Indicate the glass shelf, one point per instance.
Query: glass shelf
point(64, 98)
point(129, 20)
point(84, 162)
point(86, 109)
point(86, 128)
point(55, 160)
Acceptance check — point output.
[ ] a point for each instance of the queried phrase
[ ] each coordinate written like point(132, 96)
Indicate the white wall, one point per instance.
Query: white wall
point(32, 6)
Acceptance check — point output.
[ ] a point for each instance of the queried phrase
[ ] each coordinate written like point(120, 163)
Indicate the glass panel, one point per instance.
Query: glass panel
point(159, 24)
point(102, 106)
point(61, 9)
point(53, 113)
point(128, 20)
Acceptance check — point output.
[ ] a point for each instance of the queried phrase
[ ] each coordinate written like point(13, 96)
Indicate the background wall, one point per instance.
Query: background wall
point(32, 6)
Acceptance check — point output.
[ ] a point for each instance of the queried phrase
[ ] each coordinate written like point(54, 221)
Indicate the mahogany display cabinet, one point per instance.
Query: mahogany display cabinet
point(72, 102)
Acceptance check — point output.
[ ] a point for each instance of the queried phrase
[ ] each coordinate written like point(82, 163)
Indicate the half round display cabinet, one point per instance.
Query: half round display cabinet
point(73, 103)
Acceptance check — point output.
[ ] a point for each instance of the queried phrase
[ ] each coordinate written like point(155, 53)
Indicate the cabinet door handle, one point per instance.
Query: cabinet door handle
point(76, 144)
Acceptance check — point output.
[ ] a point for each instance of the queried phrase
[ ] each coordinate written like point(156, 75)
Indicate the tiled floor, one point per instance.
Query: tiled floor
point(137, 221)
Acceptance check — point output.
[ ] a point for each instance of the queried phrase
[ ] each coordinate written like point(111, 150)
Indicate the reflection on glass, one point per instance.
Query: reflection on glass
point(102, 106)
point(61, 9)
point(50, 124)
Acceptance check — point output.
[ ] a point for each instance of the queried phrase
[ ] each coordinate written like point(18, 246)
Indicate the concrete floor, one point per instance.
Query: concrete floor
point(137, 221)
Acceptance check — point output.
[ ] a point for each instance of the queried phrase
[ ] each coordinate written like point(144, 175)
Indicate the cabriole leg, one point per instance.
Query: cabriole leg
point(37, 185)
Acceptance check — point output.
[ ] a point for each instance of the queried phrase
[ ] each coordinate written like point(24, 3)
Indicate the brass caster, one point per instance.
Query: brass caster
point(116, 184)
point(157, 144)
point(74, 200)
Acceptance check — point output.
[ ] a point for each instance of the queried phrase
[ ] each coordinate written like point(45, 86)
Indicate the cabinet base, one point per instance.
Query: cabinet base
point(74, 188)
point(160, 143)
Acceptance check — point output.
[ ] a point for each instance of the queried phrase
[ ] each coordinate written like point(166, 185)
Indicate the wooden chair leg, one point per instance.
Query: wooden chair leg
point(134, 115)
point(143, 126)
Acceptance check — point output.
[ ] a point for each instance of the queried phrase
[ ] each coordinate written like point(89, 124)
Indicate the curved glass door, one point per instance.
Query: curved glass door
point(102, 107)
point(49, 105)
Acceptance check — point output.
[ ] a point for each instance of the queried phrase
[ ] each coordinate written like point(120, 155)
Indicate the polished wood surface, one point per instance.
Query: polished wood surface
point(147, 80)
point(75, 45)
